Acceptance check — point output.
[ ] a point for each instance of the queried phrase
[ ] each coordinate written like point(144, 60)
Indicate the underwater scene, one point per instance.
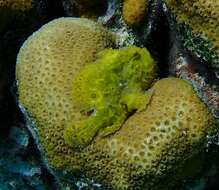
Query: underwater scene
point(109, 94)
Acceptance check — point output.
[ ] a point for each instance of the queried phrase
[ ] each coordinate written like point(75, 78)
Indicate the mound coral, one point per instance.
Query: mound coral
point(201, 15)
point(134, 11)
point(10, 9)
point(111, 88)
point(152, 147)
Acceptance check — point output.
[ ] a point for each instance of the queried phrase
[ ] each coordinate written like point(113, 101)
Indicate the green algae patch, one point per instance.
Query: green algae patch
point(107, 91)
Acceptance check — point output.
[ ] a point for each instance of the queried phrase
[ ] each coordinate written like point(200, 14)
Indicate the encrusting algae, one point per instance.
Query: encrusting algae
point(150, 149)
point(110, 88)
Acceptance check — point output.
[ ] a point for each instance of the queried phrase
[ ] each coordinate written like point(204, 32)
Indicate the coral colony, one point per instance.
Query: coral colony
point(120, 95)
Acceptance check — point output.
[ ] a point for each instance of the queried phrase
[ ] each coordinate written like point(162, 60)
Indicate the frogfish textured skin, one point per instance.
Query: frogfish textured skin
point(134, 11)
point(201, 15)
point(109, 90)
point(152, 144)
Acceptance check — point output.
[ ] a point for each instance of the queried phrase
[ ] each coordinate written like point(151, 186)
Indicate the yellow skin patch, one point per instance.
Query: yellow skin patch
point(107, 91)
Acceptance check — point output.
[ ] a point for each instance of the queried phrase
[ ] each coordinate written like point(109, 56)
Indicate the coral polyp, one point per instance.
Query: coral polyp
point(111, 87)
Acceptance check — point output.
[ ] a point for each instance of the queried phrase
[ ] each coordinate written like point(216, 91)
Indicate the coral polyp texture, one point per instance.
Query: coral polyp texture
point(201, 15)
point(134, 11)
point(108, 90)
point(152, 147)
